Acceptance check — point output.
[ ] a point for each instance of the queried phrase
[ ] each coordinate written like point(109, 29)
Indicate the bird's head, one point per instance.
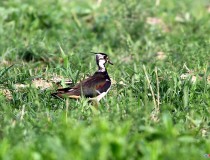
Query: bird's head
point(101, 60)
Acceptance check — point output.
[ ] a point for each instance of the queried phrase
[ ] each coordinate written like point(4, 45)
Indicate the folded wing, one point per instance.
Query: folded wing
point(91, 87)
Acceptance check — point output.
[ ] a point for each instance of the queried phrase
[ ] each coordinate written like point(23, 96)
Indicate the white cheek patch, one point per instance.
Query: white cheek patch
point(101, 63)
point(99, 56)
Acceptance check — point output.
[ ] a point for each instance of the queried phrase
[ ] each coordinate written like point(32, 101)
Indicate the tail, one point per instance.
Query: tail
point(63, 93)
point(56, 95)
point(60, 92)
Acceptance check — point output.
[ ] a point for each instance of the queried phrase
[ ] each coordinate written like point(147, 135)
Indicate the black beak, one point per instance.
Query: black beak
point(110, 62)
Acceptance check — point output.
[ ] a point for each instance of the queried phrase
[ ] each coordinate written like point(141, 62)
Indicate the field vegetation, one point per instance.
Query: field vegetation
point(159, 105)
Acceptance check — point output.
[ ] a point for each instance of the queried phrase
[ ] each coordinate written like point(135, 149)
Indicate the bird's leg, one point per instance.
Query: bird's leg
point(94, 103)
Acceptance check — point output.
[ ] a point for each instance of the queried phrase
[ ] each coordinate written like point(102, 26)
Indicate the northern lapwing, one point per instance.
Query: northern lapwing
point(94, 87)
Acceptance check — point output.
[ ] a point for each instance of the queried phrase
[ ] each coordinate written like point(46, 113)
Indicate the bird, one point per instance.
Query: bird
point(95, 87)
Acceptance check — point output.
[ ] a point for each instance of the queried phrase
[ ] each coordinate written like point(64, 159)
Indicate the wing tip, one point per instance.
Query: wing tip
point(56, 95)
point(63, 95)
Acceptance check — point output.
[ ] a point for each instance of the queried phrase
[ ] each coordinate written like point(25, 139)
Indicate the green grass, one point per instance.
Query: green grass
point(42, 38)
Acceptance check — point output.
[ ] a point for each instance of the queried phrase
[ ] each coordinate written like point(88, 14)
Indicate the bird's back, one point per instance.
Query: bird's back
point(90, 87)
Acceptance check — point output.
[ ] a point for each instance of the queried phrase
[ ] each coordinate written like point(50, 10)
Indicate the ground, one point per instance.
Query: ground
point(159, 103)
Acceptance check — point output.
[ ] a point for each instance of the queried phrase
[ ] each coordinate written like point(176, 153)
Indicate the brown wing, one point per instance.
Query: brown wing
point(90, 87)
point(65, 92)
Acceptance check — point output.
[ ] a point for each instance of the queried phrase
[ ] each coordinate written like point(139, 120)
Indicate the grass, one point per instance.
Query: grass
point(157, 50)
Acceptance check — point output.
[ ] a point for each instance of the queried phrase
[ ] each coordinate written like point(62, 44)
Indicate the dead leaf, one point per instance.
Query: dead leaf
point(193, 79)
point(122, 83)
point(204, 132)
point(58, 79)
point(41, 83)
point(160, 55)
point(113, 81)
point(99, 3)
point(157, 2)
point(184, 76)
point(154, 21)
point(192, 75)
point(155, 116)
point(189, 74)
point(19, 86)
point(208, 8)
point(182, 18)
point(208, 79)
point(6, 93)
point(5, 63)
point(37, 83)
